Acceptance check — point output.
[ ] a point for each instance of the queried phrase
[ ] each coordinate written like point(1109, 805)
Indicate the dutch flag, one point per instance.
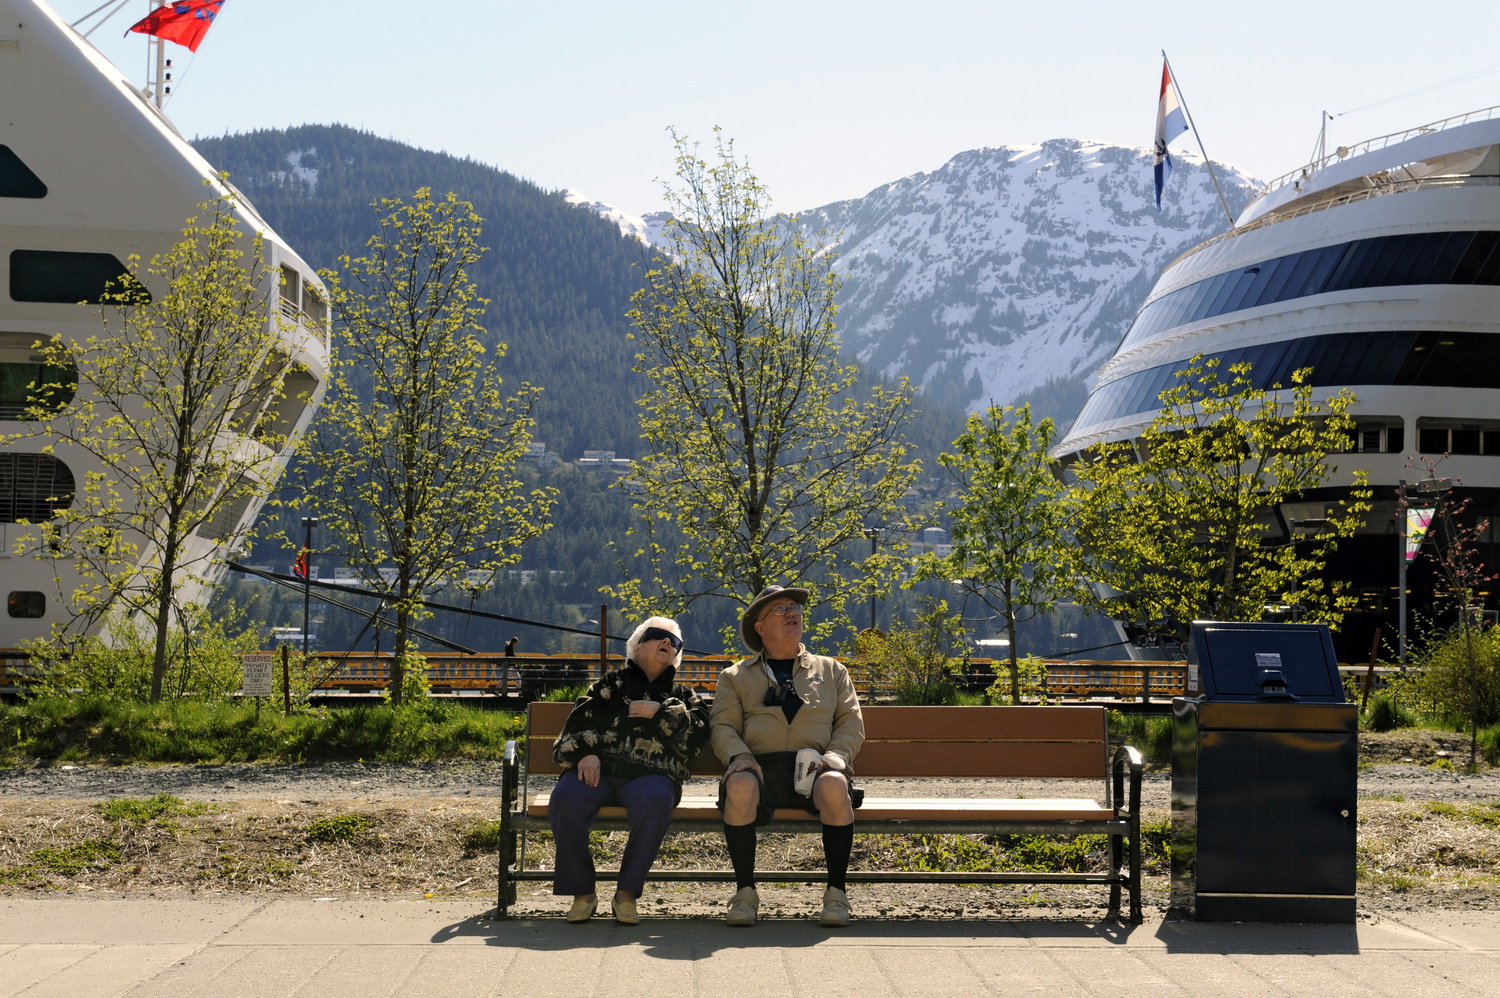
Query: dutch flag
point(1170, 123)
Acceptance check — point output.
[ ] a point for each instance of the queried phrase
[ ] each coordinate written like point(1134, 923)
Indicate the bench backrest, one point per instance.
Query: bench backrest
point(1020, 742)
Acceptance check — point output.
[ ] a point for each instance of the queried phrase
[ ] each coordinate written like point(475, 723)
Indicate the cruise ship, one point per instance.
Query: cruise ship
point(92, 172)
point(1378, 266)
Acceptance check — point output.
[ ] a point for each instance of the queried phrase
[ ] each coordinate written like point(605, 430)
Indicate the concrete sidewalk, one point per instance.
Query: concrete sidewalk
point(228, 947)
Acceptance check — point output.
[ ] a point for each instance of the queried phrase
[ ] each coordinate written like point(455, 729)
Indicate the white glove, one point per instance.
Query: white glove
point(834, 761)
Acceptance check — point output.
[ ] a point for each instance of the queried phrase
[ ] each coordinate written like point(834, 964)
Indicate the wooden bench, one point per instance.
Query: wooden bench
point(1032, 743)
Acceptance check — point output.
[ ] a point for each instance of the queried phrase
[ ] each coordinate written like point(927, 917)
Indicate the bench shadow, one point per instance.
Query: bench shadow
point(694, 938)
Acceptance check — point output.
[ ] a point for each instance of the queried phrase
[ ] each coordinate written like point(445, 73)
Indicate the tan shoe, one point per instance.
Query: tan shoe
point(624, 911)
point(583, 908)
point(743, 907)
point(835, 909)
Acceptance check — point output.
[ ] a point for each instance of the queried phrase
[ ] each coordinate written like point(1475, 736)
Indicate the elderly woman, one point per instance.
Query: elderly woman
point(628, 742)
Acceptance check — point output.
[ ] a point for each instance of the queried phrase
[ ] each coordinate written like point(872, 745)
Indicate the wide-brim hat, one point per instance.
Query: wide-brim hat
point(752, 612)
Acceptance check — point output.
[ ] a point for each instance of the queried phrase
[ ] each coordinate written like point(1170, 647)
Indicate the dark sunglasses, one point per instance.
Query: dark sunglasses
point(657, 633)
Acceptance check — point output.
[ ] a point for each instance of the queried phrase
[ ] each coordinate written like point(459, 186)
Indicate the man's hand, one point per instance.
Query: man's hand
point(645, 709)
point(742, 762)
point(588, 770)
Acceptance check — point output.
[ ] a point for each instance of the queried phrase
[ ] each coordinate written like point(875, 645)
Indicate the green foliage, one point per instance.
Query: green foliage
point(65, 861)
point(1151, 734)
point(171, 378)
point(1387, 714)
point(563, 694)
point(1442, 681)
point(203, 658)
point(914, 662)
point(766, 461)
point(76, 729)
point(141, 810)
point(1027, 680)
point(1182, 525)
point(1010, 544)
point(416, 452)
point(483, 836)
point(338, 828)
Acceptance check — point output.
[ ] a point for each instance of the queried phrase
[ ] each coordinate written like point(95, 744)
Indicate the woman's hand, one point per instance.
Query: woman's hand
point(588, 770)
point(645, 709)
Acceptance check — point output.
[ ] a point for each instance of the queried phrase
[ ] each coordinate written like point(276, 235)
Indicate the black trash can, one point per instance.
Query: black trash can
point(1264, 762)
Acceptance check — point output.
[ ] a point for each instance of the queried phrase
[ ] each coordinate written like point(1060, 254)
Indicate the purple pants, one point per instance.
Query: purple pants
point(648, 803)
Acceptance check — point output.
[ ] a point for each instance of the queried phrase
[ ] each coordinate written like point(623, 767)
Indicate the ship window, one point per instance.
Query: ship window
point(1463, 441)
point(55, 387)
point(70, 278)
point(33, 487)
point(1384, 261)
point(16, 178)
point(1395, 439)
point(26, 603)
point(1432, 440)
point(1428, 359)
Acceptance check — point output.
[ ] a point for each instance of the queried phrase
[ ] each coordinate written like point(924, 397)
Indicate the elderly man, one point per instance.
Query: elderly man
point(780, 702)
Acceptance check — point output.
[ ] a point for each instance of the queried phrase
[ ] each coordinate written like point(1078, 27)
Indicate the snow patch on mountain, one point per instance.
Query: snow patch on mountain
point(1010, 273)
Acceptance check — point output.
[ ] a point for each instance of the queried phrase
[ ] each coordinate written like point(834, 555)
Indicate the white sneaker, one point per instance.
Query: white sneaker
point(835, 909)
point(743, 907)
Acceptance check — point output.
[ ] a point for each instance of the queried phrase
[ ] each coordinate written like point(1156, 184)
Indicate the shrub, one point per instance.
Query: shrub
point(1445, 681)
point(915, 661)
point(1388, 714)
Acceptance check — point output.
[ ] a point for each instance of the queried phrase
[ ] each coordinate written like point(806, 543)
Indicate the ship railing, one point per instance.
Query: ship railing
point(1379, 142)
point(1379, 189)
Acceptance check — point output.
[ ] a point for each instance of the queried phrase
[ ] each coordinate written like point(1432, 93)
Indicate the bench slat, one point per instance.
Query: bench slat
point(1004, 742)
point(901, 808)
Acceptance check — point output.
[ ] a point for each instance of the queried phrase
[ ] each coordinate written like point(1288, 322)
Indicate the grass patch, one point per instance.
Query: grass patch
point(339, 828)
point(483, 836)
point(65, 861)
point(141, 810)
point(1484, 815)
point(103, 729)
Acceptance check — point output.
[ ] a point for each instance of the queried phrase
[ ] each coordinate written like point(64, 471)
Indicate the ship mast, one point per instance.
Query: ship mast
point(157, 80)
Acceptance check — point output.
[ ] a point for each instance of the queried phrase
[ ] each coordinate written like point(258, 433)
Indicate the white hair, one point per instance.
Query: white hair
point(666, 624)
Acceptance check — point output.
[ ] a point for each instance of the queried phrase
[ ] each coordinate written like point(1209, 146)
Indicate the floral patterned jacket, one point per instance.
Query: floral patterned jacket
point(633, 746)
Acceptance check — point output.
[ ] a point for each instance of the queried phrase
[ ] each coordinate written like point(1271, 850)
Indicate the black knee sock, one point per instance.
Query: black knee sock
point(740, 841)
point(838, 843)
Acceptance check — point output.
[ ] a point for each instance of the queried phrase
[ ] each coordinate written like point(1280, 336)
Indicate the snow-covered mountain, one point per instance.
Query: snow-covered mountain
point(1010, 273)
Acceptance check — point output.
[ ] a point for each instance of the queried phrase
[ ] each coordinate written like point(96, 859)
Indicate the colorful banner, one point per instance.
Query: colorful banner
point(1418, 523)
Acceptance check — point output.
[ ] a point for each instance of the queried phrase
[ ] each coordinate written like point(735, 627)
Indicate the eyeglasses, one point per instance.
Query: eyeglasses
point(657, 633)
point(781, 610)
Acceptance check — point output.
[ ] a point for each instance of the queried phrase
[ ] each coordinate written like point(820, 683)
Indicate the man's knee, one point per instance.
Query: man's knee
point(831, 796)
point(742, 789)
point(741, 798)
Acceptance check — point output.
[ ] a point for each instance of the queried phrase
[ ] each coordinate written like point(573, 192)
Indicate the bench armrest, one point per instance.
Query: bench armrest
point(510, 777)
point(1127, 760)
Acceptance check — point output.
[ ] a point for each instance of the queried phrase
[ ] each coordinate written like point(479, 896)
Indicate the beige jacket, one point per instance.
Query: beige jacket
point(829, 721)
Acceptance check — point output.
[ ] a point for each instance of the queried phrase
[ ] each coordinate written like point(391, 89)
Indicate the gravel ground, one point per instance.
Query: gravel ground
point(251, 837)
point(350, 780)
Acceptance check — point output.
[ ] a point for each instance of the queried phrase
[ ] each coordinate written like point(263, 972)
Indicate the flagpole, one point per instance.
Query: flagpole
point(161, 63)
point(1206, 161)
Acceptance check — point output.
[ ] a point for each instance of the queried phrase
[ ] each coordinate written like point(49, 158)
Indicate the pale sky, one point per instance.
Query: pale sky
point(829, 99)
